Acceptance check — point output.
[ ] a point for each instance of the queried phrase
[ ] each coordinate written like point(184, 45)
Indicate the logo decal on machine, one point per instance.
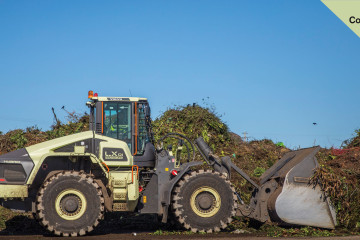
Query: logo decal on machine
point(117, 99)
point(114, 154)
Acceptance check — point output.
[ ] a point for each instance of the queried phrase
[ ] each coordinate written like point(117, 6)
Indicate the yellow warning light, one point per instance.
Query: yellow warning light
point(90, 94)
point(144, 199)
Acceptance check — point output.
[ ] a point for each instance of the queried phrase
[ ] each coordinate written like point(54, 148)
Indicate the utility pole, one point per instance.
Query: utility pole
point(245, 136)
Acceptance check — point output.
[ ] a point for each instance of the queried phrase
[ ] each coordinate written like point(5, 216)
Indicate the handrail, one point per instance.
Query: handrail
point(106, 166)
point(136, 128)
point(132, 172)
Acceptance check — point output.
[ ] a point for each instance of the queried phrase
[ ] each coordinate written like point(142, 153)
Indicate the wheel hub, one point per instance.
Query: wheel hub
point(70, 204)
point(205, 201)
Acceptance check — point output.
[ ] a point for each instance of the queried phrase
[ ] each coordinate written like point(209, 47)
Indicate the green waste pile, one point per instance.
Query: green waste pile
point(339, 175)
point(20, 138)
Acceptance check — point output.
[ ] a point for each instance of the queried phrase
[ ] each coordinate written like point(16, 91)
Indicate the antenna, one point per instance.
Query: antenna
point(130, 93)
point(55, 117)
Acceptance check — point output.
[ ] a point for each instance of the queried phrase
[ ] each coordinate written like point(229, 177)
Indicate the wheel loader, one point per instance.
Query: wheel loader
point(70, 182)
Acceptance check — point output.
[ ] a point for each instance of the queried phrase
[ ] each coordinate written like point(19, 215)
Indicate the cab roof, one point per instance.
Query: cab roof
point(119, 99)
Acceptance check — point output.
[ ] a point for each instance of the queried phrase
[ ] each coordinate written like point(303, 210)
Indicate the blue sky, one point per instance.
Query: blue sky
point(271, 68)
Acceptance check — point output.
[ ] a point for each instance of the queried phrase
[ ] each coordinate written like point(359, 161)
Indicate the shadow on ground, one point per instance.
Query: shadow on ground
point(113, 223)
point(23, 225)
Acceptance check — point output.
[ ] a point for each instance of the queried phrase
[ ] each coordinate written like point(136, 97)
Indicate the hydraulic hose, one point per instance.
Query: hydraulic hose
point(175, 135)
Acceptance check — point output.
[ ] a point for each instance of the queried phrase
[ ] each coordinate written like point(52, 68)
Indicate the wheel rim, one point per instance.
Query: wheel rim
point(70, 204)
point(205, 202)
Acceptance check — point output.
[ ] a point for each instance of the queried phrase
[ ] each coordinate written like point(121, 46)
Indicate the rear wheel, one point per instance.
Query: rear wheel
point(204, 201)
point(70, 204)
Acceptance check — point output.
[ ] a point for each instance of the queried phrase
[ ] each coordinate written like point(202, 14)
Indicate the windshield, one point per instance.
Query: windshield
point(117, 121)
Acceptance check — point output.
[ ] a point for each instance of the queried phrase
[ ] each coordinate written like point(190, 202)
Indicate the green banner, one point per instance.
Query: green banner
point(348, 11)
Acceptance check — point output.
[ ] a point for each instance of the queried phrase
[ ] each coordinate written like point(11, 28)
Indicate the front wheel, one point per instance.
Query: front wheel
point(70, 204)
point(204, 201)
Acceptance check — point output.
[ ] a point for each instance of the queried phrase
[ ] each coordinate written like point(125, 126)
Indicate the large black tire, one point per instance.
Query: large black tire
point(204, 201)
point(70, 204)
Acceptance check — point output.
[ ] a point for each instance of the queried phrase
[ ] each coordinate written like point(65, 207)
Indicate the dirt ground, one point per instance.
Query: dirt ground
point(131, 227)
point(146, 236)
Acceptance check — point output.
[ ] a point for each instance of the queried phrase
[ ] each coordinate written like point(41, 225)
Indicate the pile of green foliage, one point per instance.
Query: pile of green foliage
point(20, 138)
point(193, 121)
point(339, 176)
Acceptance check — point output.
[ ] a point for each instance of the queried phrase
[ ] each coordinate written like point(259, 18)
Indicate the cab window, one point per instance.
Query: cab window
point(142, 134)
point(117, 121)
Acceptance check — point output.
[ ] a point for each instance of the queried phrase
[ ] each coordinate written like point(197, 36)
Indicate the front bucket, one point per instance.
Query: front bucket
point(296, 202)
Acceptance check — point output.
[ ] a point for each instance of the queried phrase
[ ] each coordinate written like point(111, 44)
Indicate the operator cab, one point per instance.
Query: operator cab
point(126, 119)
